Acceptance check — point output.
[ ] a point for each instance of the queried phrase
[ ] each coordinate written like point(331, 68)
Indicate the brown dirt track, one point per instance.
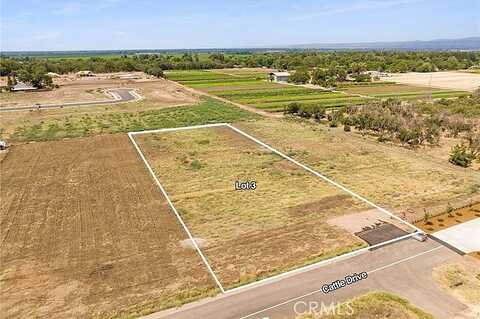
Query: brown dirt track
point(86, 233)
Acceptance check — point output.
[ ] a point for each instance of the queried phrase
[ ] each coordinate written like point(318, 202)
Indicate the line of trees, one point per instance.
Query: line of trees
point(345, 62)
point(328, 77)
point(412, 124)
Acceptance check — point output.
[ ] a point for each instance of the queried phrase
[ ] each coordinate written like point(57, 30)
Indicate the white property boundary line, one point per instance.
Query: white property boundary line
point(276, 277)
point(204, 259)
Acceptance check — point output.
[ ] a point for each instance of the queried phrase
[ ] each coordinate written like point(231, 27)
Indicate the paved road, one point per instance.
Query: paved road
point(119, 96)
point(404, 268)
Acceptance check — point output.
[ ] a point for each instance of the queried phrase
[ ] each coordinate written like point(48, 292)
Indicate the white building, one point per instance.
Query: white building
point(279, 76)
point(85, 73)
point(20, 86)
point(53, 75)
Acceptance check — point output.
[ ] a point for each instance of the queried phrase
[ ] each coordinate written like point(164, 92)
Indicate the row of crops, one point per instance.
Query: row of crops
point(252, 88)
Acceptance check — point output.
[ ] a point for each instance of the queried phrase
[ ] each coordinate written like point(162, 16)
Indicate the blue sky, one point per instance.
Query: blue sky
point(141, 24)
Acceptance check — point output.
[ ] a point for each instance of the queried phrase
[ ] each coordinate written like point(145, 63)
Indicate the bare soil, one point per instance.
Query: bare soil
point(390, 88)
point(356, 222)
point(85, 233)
point(91, 89)
point(446, 220)
point(445, 80)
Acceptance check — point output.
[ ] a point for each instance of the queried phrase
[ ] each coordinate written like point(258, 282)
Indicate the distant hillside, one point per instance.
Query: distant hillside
point(472, 43)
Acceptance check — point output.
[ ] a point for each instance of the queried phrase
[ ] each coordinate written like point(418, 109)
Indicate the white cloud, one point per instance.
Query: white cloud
point(358, 6)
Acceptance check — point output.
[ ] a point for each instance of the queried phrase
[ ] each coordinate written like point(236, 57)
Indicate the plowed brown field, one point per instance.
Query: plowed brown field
point(86, 233)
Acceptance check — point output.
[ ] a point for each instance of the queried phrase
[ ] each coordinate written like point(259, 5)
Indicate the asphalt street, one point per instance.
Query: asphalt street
point(403, 268)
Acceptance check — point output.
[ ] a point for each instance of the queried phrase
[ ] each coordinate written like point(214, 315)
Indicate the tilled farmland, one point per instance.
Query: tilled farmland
point(85, 233)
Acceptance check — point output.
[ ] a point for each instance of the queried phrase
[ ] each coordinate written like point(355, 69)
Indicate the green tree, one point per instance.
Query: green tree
point(155, 71)
point(300, 76)
point(319, 77)
point(36, 75)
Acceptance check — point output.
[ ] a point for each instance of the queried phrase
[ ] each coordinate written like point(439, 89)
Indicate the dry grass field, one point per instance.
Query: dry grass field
point(85, 233)
point(282, 224)
point(403, 180)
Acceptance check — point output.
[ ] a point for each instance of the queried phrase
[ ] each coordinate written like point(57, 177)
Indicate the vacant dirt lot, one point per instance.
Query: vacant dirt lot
point(85, 233)
point(445, 80)
point(249, 234)
point(390, 88)
point(91, 89)
point(403, 180)
point(157, 94)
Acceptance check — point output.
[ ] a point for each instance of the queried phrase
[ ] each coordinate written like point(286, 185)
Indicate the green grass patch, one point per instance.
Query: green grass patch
point(291, 98)
point(208, 111)
point(332, 102)
point(269, 92)
point(224, 83)
point(213, 82)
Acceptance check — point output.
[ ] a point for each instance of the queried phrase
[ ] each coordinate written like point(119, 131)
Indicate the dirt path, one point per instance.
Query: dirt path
point(242, 106)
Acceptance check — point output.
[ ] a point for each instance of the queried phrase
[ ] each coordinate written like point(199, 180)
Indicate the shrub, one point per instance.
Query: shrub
point(461, 156)
point(293, 108)
point(347, 128)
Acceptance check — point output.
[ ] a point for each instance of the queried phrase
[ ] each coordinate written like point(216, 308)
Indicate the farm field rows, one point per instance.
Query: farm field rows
point(292, 217)
point(251, 88)
point(403, 91)
point(87, 234)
